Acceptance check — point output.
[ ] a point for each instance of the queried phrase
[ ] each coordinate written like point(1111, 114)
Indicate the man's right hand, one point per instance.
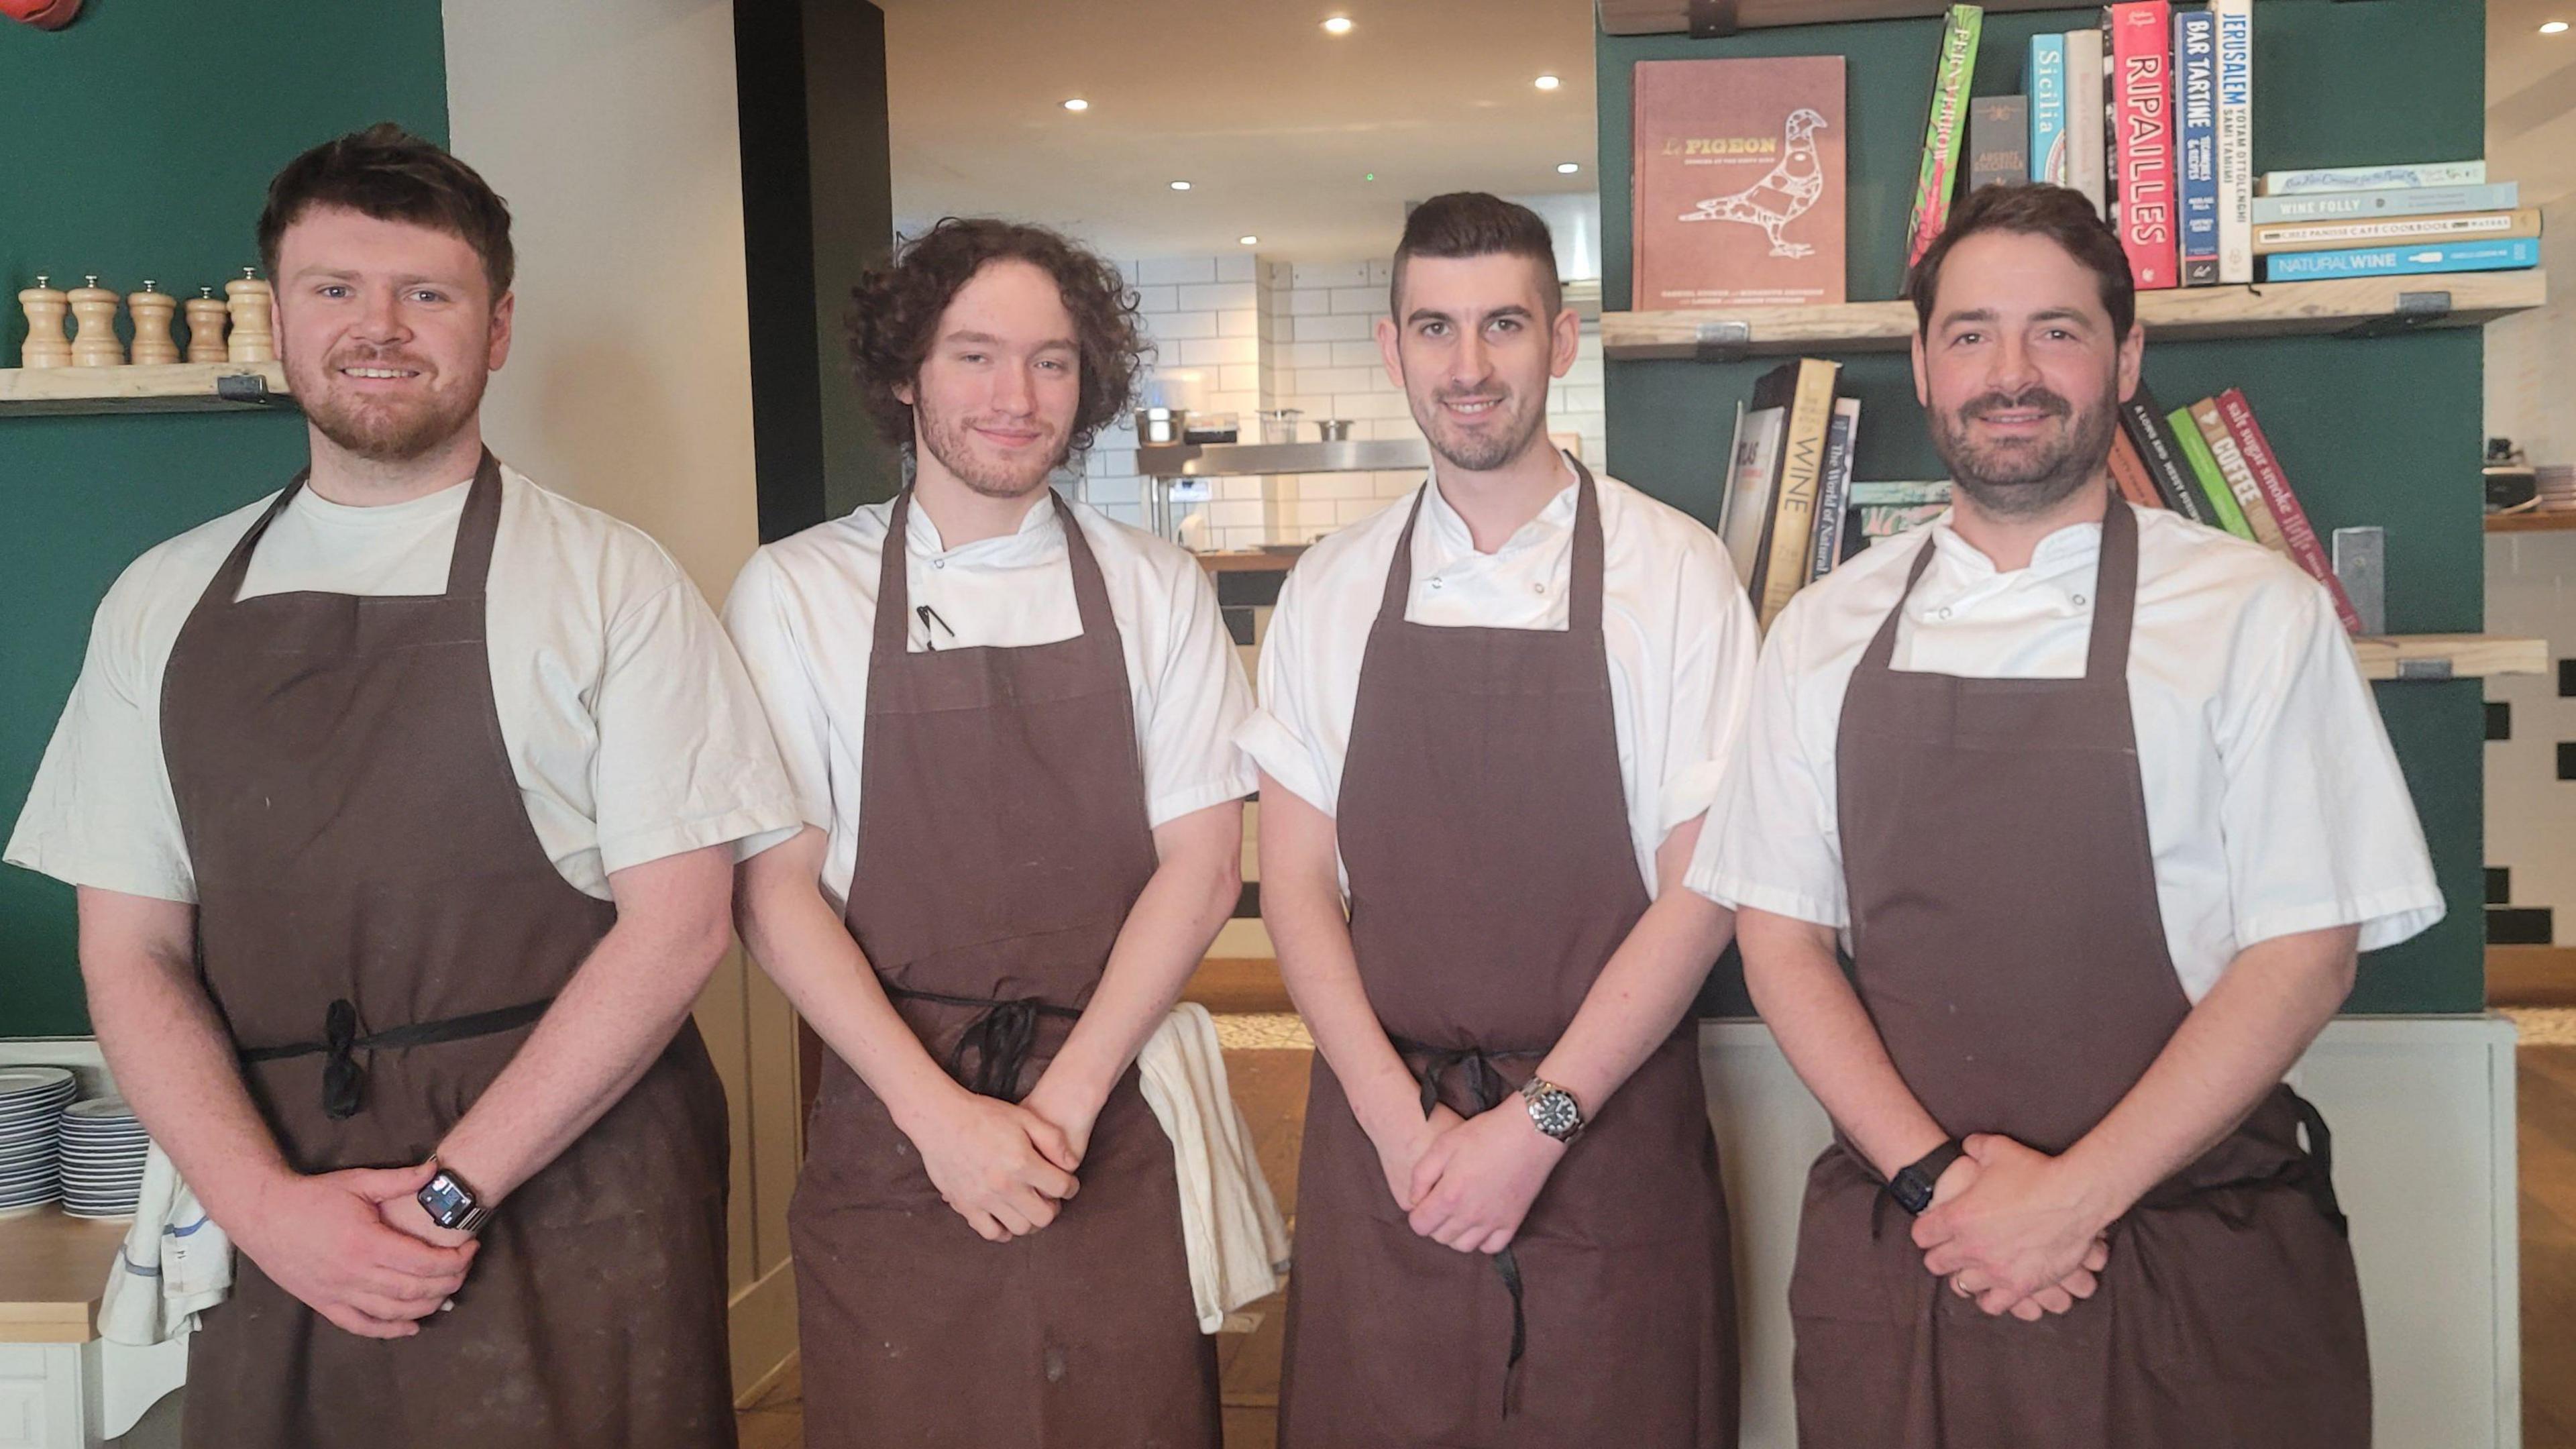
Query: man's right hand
point(2060, 1297)
point(1005, 1169)
point(322, 1239)
point(1400, 1149)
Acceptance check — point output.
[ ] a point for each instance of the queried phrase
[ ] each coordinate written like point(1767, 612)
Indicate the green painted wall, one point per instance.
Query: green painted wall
point(2380, 432)
point(140, 143)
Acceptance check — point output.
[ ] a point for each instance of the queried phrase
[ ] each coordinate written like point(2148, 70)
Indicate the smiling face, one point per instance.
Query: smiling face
point(996, 397)
point(388, 331)
point(1474, 348)
point(2021, 373)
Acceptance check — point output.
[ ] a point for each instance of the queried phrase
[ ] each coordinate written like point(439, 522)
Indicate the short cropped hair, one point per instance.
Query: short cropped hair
point(390, 174)
point(2031, 208)
point(1476, 224)
point(895, 310)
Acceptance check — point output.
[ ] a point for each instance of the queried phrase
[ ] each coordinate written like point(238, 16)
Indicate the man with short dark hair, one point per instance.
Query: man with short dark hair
point(1008, 721)
point(1491, 722)
point(2100, 804)
point(401, 805)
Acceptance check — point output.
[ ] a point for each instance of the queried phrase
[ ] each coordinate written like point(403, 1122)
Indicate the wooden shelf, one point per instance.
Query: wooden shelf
point(184, 387)
point(2450, 656)
point(2349, 305)
point(2532, 522)
point(1664, 17)
point(53, 1269)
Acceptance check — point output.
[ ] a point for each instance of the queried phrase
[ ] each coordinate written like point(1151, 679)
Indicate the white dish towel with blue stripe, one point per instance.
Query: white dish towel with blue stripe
point(175, 1263)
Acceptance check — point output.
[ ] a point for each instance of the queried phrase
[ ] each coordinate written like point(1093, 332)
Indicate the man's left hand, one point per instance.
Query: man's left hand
point(2023, 1226)
point(1476, 1182)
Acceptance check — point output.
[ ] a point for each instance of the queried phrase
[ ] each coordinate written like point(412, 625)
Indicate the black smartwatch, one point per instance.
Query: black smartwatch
point(453, 1205)
point(1912, 1188)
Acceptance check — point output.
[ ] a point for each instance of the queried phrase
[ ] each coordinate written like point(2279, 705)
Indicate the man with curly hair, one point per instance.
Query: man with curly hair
point(1008, 721)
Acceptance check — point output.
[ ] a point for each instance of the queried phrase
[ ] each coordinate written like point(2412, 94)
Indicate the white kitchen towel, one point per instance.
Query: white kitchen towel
point(174, 1265)
point(1237, 1242)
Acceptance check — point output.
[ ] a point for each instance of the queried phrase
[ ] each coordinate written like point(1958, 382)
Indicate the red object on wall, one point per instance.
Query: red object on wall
point(42, 14)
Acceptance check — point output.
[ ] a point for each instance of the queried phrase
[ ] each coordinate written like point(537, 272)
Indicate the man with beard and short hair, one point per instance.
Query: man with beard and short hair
point(2100, 805)
point(1008, 721)
point(1492, 719)
point(401, 806)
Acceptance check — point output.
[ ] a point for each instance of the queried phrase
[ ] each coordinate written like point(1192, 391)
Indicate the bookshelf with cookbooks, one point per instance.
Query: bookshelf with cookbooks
point(2282, 410)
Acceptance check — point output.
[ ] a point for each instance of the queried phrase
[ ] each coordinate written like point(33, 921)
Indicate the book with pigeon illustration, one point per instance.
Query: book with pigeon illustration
point(1739, 183)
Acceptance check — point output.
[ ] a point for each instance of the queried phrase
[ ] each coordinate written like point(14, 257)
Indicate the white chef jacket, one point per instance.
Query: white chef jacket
point(2274, 803)
point(1678, 627)
point(630, 729)
point(803, 613)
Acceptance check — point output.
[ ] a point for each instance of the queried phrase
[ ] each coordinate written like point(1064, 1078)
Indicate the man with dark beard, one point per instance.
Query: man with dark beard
point(401, 806)
point(2102, 809)
point(1491, 722)
point(1008, 721)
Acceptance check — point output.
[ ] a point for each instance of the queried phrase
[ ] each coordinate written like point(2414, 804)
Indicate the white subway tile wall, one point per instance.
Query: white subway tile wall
point(1257, 332)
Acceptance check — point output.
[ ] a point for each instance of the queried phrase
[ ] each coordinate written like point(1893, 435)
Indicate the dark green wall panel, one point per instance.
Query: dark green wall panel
point(139, 144)
point(2382, 431)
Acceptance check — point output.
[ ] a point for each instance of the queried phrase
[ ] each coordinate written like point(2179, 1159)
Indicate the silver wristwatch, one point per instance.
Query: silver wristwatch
point(453, 1205)
point(1553, 1109)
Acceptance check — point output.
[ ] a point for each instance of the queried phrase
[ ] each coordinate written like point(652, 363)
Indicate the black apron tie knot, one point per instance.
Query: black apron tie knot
point(1486, 1091)
point(1001, 1037)
point(344, 1082)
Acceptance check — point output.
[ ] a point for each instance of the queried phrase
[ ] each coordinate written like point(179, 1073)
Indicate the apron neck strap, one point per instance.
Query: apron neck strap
point(894, 577)
point(469, 562)
point(2115, 597)
point(1584, 605)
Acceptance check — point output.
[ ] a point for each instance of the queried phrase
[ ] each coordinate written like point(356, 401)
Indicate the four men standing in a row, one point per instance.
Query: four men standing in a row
point(404, 807)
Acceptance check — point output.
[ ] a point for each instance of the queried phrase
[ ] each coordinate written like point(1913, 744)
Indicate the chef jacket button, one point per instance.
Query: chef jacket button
point(1538, 588)
point(2079, 599)
point(939, 563)
point(1435, 583)
point(1943, 614)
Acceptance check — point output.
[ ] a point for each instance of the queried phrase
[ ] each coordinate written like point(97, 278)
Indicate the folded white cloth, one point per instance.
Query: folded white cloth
point(175, 1263)
point(1230, 1223)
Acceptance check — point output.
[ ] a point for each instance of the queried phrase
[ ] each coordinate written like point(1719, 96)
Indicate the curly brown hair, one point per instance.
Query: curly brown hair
point(895, 311)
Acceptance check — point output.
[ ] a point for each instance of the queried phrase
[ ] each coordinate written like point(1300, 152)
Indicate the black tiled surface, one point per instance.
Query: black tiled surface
point(1247, 904)
point(2499, 885)
point(1238, 621)
point(2567, 679)
point(2567, 759)
point(1249, 586)
point(2518, 926)
point(2499, 720)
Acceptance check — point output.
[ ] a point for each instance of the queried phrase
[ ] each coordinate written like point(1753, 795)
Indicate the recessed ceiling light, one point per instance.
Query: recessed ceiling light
point(1338, 25)
point(1547, 83)
point(2553, 27)
point(1077, 104)
point(1250, 241)
point(1567, 168)
point(1180, 186)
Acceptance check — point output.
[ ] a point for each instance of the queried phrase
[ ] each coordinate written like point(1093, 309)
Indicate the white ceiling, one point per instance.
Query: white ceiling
point(1271, 120)
point(2531, 98)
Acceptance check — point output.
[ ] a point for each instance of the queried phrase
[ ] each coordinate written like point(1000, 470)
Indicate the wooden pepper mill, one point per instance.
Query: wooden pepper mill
point(207, 315)
point(252, 339)
point(152, 311)
point(94, 344)
point(46, 307)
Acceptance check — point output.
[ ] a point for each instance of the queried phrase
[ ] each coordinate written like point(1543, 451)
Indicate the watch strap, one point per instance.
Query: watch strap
point(1912, 1186)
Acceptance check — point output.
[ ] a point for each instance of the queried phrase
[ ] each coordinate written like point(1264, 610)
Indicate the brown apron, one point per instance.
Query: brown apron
point(1002, 842)
point(2008, 945)
point(1485, 832)
point(379, 926)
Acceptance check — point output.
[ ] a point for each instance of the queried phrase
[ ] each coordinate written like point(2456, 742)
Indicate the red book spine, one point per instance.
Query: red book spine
point(2299, 535)
point(2141, 65)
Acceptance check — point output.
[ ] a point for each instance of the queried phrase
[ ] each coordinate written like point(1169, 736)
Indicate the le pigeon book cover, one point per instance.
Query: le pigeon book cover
point(1739, 183)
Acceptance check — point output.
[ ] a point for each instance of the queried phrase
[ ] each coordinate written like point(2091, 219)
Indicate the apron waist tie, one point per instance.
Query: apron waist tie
point(1485, 1089)
point(1001, 1037)
point(344, 1082)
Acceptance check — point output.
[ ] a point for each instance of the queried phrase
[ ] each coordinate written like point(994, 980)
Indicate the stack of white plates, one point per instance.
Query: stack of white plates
point(103, 1149)
point(31, 1101)
point(2557, 486)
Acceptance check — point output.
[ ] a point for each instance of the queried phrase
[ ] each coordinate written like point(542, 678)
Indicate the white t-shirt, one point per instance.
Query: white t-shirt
point(803, 613)
point(2274, 803)
point(1678, 627)
point(629, 726)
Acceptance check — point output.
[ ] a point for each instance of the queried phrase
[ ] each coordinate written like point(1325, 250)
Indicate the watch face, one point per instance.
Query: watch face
point(445, 1201)
point(1911, 1192)
point(1556, 1114)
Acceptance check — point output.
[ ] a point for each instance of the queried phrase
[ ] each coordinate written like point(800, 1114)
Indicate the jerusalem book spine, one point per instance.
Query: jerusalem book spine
point(2235, 140)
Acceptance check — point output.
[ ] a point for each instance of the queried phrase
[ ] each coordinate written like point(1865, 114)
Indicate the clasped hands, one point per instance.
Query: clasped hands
point(2014, 1229)
point(1467, 1182)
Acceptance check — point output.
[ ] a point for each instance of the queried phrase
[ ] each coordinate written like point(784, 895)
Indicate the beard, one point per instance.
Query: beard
point(952, 441)
point(384, 429)
point(2020, 477)
point(1478, 450)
